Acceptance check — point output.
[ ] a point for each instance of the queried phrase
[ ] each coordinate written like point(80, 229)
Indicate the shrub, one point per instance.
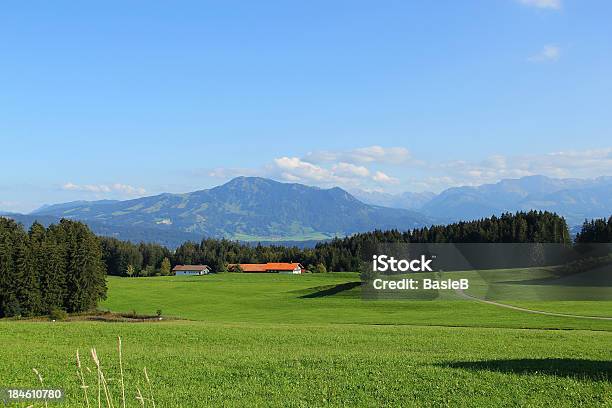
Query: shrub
point(58, 314)
point(319, 268)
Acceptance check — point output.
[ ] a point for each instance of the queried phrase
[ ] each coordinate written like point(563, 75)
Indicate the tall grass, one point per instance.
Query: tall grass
point(103, 396)
point(41, 381)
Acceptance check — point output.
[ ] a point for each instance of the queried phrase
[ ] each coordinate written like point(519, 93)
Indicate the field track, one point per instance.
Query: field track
point(465, 295)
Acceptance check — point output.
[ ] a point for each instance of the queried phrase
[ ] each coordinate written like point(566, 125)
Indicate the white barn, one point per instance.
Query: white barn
point(191, 270)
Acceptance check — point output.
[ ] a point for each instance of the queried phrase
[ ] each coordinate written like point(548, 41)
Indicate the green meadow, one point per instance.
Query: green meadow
point(311, 340)
point(310, 298)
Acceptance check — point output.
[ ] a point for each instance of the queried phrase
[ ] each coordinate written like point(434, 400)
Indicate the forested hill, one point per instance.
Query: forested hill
point(340, 254)
point(521, 227)
point(245, 208)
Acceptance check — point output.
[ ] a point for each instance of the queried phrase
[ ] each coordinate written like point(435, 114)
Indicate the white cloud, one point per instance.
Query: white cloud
point(350, 170)
point(549, 53)
point(383, 178)
point(328, 170)
point(362, 155)
point(429, 176)
point(543, 4)
point(338, 174)
point(294, 168)
point(125, 189)
point(563, 164)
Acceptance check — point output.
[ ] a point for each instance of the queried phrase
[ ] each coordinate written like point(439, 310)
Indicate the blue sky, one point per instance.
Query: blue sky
point(119, 100)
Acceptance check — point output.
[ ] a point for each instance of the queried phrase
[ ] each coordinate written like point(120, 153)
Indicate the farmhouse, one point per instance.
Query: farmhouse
point(273, 267)
point(191, 270)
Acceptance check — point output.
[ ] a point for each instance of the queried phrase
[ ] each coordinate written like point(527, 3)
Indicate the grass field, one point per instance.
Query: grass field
point(275, 298)
point(277, 340)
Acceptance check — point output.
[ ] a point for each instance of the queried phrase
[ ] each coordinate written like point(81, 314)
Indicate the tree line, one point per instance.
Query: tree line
point(44, 269)
point(340, 254)
point(345, 254)
point(124, 258)
point(598, 230)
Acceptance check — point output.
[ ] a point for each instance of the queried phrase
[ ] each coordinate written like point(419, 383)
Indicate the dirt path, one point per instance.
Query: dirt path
point(460, 292)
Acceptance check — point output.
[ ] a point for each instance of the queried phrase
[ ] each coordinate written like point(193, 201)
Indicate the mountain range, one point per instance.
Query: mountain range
point(408, 200)
point(575, 199)
point(245, 208)
point(259, 209)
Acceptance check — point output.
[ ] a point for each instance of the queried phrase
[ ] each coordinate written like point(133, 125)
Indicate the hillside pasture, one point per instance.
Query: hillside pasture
point(311, 340)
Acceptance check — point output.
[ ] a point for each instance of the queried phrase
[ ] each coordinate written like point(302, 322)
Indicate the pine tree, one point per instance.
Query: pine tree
point(85, 277)
point(9, 305)
point(53, 277)
point(28, 285)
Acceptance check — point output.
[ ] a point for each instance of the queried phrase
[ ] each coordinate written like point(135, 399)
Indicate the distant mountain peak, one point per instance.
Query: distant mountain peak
point(573, 198)
point(256, 208)
point(246, 208)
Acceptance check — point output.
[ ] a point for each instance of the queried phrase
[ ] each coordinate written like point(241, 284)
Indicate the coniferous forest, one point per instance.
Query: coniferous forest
point(340, 254)
point(599, 230)
point(43, 269)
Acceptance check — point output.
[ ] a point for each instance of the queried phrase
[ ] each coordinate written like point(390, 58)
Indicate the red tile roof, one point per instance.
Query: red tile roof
point(253, 267)
point(280, 266)
point(270, 266)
